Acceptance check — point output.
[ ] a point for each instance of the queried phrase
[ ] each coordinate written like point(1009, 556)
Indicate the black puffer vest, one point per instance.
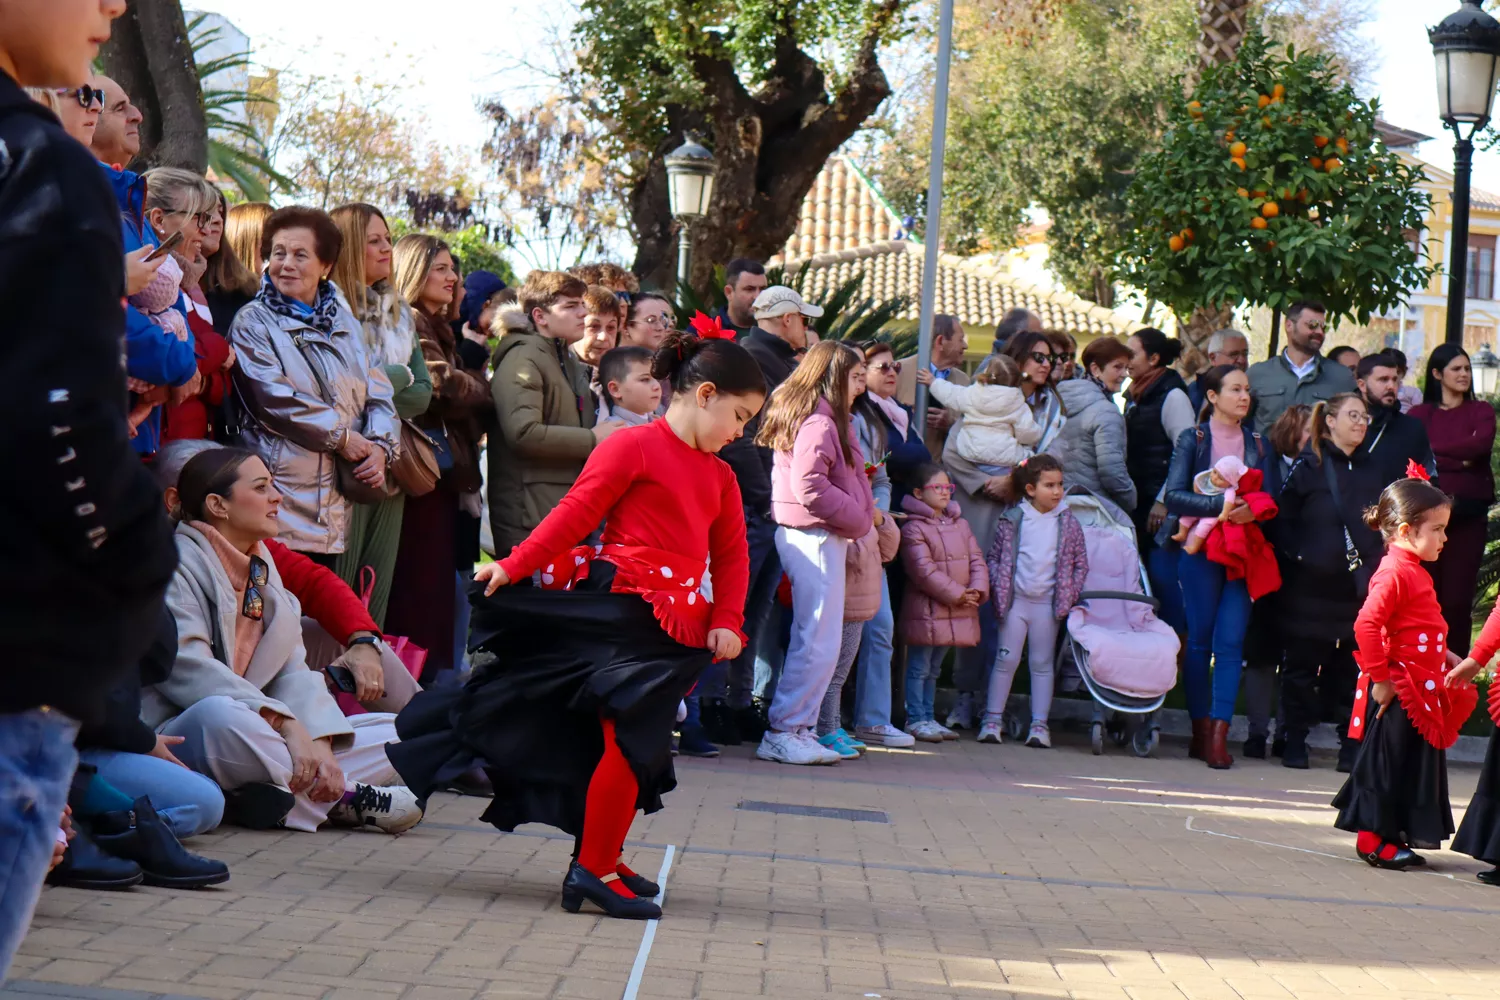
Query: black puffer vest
point(1148, 450)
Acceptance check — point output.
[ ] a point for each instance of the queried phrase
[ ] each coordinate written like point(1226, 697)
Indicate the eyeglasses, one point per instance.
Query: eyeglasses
point(1357, 416)
point(85, 96)
point(254, 607)
point(940, 487)
point(200, 219)
point(887, 366)
point(658, 321)
point(1040, 358)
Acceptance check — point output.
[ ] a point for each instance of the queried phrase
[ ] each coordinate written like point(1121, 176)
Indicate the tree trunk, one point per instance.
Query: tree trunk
point(768, 147)
point(1196, 331)
point(149, 55)
point(1222, 24)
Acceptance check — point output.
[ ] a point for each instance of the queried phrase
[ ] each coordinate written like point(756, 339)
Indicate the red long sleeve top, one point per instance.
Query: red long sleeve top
point(1402, 637)
point(1462, 439)
point(1484, 651)
point(324, 596)
point(670, 511)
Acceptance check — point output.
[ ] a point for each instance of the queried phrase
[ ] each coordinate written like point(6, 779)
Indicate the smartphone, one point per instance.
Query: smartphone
point(342, 677)
point(170, 243)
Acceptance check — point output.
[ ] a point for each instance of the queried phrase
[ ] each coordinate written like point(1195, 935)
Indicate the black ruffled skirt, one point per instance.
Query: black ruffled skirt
point(1479, 833)
point(1399, 786)
point(565, 659)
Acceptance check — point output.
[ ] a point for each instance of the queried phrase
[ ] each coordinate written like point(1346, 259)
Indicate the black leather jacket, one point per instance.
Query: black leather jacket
point(1190, 457)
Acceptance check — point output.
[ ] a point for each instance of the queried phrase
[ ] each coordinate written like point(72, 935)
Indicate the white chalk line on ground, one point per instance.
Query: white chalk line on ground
point(643, 953)
point(1322, 854)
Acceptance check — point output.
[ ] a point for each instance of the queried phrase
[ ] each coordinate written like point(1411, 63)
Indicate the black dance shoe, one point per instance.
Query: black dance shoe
point(1255, 747)
point(1402, 860)
point(583, 884)
point(142, 836)
point(1489, 877)
point(85, 866)
point(641, 885)
point(1417, 860)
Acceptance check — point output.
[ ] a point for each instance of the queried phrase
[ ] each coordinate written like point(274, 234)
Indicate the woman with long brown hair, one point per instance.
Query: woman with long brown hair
point(363, 274)
point(821, 501)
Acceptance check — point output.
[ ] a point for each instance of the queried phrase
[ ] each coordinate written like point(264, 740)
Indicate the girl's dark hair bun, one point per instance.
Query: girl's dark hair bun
point(1406, 501)
point(686, 361)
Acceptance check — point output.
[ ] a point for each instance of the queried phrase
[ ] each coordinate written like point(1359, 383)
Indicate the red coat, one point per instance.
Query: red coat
point(1241, 548)
point(194, 418)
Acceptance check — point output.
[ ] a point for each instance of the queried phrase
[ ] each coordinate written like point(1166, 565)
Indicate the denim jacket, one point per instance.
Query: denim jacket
point(1192, 455)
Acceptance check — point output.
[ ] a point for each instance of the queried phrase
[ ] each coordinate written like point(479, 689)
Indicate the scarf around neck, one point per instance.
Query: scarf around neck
point(894, 412)
point(320, 315)
point(1139, 386)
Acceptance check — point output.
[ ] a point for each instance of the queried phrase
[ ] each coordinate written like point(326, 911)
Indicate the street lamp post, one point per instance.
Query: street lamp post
point(1486, 371)
point(1466, 46)
point(690, 185)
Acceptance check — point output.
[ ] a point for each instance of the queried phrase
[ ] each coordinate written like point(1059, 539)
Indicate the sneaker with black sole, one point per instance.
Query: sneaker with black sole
point(692, 743)
point(140, 835)
point(258, 806)
point(390, 809)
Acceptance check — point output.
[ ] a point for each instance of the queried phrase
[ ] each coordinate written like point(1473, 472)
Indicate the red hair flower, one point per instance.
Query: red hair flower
point(1416, 471)
point(709, 327)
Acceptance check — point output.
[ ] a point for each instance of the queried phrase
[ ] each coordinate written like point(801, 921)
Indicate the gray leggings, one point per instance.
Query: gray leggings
point(828, 715)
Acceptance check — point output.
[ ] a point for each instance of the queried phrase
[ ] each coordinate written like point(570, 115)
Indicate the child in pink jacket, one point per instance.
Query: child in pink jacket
point(946, 582)
point(821, 501)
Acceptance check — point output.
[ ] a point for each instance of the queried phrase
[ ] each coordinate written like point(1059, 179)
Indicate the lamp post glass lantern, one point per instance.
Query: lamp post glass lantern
point(1486, 368)
point(1466, 47)
point(690, 187)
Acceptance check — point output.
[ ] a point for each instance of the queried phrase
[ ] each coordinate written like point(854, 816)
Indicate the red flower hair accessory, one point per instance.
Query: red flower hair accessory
point(709, 327)
point(1416, 471)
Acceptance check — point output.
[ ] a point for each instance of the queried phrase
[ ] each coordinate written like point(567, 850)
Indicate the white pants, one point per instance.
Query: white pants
point(814, 562)
point(1030, 623)
point(400, 686)
point(229, 741)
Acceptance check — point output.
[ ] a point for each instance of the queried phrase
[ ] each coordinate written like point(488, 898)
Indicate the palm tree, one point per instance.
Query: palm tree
point(1222, 24)
point(236, 151)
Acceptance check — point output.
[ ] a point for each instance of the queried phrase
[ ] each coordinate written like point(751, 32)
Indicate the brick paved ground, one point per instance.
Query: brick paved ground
point(1001, 872)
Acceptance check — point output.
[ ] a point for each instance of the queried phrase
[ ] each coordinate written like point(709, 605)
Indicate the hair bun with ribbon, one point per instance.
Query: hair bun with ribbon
point(1415, 470)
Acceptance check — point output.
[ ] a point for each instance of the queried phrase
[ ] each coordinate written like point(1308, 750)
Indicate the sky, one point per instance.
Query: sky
point(474, 52)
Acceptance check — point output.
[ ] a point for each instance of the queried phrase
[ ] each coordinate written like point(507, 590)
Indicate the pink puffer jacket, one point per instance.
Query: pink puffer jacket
point(813, 487)
point(863, 573)
point(942, 560)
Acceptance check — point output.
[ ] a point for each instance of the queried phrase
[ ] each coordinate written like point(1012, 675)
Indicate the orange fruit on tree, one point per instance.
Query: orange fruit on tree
point(1343, 145)
point(1320, 141)
point(1278, 92)
point(1270, 210)
point(1258, 194)
point(1229, 136)
point(1302, 196)
point(1242, 192)
point(1237, 149)
point(1187, 235)
point(1176, 243)
point(1257, 223)
point(1265, 122)
point(1238, 161)
point(1270, 244)
point(1333, 163)
point(1263, 101)
point(1316, 161)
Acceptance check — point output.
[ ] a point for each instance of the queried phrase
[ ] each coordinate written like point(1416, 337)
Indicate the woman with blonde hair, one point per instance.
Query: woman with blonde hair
point(423, 590)
point(243, 228)
point(227, 283)
point(363, 274)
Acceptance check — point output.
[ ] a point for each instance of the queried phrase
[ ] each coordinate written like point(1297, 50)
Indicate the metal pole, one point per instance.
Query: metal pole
point(932, 236)
point(1458, 258)
point(1275, 331)
point(684, 258)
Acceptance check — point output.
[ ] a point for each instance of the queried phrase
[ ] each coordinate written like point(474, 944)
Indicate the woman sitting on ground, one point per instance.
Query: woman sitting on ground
point(252, 715)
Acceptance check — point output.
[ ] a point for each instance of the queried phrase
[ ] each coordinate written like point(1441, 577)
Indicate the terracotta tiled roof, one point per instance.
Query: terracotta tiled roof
point(976, 291)
point(841, 212)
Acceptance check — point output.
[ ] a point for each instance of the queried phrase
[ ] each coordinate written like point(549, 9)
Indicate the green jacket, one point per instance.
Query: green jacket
point(1275, 387)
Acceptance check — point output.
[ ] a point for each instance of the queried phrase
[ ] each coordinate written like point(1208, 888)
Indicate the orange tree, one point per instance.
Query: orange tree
point(1270, 185)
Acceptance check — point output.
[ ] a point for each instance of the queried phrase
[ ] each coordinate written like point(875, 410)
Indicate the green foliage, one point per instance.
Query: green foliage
point(471, 248)
point(236, 151)
point(1338, 233)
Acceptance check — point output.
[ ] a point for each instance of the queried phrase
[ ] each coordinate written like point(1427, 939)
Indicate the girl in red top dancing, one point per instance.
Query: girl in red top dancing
point(574, 722)
point(1479, 833)
point(1396, 797)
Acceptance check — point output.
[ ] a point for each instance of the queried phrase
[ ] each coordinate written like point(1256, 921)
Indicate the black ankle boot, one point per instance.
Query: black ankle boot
point(582, 884)
point(85, 866)
point(258, 806)
point(1255, 747)
point(142, 836)
point(1294, 754)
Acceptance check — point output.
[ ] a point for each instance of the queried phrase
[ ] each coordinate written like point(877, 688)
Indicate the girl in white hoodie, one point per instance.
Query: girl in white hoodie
point(997, 430)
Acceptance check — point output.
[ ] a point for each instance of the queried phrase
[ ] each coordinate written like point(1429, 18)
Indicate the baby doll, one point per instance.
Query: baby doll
point(1222, 478)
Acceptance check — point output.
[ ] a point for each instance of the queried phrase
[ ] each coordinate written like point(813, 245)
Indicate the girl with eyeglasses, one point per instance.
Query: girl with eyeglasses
point(648, 321)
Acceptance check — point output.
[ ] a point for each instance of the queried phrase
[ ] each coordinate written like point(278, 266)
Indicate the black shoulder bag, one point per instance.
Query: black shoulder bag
point(1357, 567)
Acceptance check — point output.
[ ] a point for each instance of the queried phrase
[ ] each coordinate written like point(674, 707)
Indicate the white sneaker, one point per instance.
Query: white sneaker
point(1039, 736)
point(945, 732)
point(794, 748)
point(885, 735)
point(989, 732)
point(391, 809)
point(927, 732)
point(962, 716)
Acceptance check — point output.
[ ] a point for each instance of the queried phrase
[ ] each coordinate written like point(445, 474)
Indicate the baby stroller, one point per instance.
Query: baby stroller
point(1125, 656)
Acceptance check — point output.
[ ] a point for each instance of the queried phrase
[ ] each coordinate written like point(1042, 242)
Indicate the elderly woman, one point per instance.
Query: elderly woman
point(316, 408)
point(1092, 444)
point(363, 274)
point(423, 596)
point(250, 713)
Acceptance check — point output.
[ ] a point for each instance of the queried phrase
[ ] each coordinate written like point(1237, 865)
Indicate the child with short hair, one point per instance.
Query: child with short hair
point(1396, 797)
point(632, 394)
point(1220, 479)
point(998, 429)
point(1037, 563)
point(946, 582)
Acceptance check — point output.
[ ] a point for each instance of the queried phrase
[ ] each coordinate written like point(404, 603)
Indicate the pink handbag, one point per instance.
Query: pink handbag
point(412, 656)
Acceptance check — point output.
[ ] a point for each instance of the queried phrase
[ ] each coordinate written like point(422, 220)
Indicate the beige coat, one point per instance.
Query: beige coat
point(546, 419)
point(906, 394)
point(864, 571)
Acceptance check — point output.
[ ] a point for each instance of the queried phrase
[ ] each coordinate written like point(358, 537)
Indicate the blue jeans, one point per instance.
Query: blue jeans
point(1164, 571)
point(736, 679)
point(36, 767)
point(872, 685)
point(923, 664)
point(1218, 612)
point(189, 802)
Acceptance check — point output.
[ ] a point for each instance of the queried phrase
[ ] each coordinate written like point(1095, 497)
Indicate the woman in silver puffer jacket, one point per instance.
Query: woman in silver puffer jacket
point(299, 421)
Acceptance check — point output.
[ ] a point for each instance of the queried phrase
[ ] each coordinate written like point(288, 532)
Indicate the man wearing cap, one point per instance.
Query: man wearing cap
point(949, 344)
point(776, 342)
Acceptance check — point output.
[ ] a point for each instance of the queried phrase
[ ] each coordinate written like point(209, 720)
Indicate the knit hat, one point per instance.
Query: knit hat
point(778, 300)
point(478, 287)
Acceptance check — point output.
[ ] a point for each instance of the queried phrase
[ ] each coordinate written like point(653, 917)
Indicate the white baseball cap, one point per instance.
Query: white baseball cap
point(778, 300)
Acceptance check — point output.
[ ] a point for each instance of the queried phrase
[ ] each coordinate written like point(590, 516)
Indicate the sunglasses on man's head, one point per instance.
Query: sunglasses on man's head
point(85, 96)
point(254, 607)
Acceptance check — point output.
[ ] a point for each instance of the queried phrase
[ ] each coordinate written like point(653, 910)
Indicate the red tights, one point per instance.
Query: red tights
point(609, 811)
point(1367, 842)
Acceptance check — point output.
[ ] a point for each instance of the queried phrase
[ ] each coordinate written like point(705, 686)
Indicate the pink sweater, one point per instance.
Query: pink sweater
point(813, 487)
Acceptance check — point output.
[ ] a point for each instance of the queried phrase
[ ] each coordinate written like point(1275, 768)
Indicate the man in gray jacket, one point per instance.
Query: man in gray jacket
point(1300, 373)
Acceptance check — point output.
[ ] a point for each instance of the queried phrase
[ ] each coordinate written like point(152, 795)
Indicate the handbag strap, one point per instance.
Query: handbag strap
point(317, 373)
point(366, 585)
point(1351, 552)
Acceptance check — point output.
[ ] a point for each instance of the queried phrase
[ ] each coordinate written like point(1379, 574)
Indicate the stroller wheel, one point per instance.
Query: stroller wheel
point(1015, 729)
point(1145, 740)
point(1096, 737)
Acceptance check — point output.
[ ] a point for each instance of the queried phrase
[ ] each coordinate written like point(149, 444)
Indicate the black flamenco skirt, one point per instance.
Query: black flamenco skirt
point(1479, 833)
point(1399, 786)
point(565, 659)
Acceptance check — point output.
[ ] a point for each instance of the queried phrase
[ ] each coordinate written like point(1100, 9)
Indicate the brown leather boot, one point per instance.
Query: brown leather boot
point(1218, 745)
point(1198, 745)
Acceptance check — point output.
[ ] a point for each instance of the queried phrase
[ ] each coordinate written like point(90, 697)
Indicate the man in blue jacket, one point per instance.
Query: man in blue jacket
point(153, 354)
